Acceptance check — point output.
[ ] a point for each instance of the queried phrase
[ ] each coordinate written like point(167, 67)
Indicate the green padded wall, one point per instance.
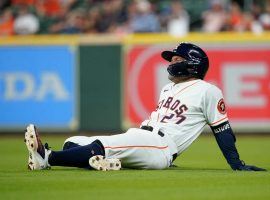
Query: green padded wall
point(99, 84)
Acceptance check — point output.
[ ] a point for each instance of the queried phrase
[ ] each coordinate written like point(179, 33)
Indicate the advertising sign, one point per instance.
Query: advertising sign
point(37, 85)
point(242, 72)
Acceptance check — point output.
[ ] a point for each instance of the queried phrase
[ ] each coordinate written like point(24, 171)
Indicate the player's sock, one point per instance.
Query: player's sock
point(77, 156)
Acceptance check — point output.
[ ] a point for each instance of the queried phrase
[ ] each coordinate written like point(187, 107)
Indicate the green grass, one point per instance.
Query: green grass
point(202, 174)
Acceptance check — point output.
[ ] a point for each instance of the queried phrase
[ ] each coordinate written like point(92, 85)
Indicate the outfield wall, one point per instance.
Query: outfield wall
point(111, 82)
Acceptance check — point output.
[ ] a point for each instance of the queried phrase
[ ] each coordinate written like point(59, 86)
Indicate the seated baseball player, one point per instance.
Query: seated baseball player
point(185, 106)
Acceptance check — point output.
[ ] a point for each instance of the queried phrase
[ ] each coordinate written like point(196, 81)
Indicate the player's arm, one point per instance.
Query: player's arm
point(216, 116)
point(226, 142)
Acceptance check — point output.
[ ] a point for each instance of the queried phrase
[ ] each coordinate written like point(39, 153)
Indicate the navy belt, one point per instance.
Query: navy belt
point(150, 128)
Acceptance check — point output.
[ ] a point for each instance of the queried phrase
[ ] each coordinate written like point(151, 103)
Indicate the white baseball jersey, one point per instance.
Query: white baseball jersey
point(182, 112)
point(185, 108)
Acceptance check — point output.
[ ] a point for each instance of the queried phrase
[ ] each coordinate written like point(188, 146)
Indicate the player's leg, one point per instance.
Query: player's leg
point(41, 158)
point(77, 156)
point(136, 149)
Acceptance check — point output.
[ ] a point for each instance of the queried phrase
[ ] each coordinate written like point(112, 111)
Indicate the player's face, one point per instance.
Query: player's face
point(176, 59)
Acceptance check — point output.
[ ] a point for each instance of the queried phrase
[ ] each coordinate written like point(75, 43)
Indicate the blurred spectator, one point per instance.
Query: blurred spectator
point(178, 21)
point(255, 11)
point(141, 17)
point(25, 22)
point(6, 23)
point(49, 8)
point(236, 18)
point(244, 21)
point(56, 16)
point(23, 2)
point(214, 20)
point(251, 24)
point(52, 8)
point(252, 17)
point(127, 16)
point(108, 19)
point(74, 23)
point(93, 17)
point(121, 17)
point(265, 17)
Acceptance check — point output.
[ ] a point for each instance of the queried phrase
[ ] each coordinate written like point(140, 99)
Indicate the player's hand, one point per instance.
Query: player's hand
point(250, 168)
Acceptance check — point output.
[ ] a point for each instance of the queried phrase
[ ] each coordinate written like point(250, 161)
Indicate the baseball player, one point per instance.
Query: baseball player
point(185, 106)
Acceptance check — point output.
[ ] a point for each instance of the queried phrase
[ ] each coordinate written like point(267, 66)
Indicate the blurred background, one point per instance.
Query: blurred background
point(95, 66)
point(22, 17)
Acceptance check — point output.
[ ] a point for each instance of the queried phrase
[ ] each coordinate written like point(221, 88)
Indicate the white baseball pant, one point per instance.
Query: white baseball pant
point(137, 148)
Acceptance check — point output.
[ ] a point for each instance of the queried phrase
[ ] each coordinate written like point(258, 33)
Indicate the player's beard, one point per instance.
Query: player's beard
point(180, 79)
point(175, 79)
point(170, 77)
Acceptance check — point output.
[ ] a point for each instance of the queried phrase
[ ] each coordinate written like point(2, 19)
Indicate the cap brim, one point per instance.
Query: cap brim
point(167, 55)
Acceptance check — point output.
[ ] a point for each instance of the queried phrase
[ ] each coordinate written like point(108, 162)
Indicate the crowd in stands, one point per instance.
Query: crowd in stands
point(19, 17)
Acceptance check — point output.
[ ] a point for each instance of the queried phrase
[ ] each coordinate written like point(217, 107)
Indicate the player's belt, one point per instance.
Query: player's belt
point(150, 128)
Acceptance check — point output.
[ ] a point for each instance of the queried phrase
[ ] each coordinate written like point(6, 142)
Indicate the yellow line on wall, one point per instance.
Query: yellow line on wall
point(227, 37)
point(40, 40)
point(60, 39)
point(147, 38)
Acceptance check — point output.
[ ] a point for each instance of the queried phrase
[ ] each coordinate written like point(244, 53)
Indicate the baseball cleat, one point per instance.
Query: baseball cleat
point(104, 164)
point(38, 154)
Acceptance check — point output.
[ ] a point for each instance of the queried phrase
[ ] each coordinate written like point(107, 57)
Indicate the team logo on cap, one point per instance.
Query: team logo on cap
point(221, 106)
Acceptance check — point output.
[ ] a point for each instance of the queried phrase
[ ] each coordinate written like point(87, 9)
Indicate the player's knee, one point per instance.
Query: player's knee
point(69, 145)
point(98, 148)
point(71, 142)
